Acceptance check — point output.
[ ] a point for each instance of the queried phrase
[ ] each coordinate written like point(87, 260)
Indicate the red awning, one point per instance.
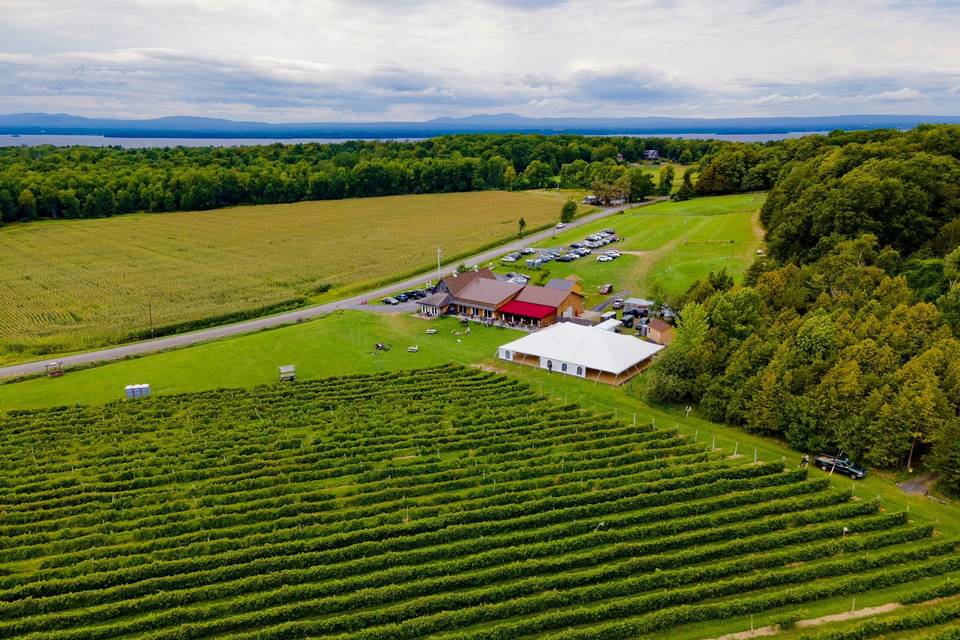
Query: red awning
point(528, 309)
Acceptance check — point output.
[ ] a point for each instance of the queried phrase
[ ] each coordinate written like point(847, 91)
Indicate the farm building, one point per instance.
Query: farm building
point(435, 305)
point(586, 352)
point(483, 297)
point(480, 295)
point(567, 284)
point(543, 305)
point(457, 282)
point(660, 332)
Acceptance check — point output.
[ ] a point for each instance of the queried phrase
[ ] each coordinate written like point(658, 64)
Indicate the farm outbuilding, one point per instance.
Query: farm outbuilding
point(660, 332)
point(586, 352)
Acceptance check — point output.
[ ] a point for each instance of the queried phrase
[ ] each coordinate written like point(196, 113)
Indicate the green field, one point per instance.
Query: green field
point(447, 503)
point(654, 171)
point(671, 244)
point(337, 344)
point(69, 285)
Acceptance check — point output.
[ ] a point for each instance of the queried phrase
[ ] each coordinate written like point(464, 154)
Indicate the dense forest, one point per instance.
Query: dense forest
point(84, 182)
point(846, 336)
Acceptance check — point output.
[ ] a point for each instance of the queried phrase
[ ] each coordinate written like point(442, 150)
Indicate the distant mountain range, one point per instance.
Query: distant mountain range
point(197, 127)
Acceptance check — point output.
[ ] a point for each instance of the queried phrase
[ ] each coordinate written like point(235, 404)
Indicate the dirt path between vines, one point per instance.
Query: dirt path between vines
point(772, 630)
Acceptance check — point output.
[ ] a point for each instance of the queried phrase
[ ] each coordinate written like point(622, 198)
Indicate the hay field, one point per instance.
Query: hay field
point(73, 285)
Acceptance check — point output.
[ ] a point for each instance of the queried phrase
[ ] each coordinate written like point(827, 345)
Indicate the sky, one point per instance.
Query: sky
point(411, 60)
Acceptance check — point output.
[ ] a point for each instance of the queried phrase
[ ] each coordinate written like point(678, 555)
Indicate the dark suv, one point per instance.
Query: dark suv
point(840, 464)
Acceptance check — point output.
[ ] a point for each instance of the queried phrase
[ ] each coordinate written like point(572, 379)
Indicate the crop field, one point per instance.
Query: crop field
point(69, 285)
point(446, 503)
point(670, 244)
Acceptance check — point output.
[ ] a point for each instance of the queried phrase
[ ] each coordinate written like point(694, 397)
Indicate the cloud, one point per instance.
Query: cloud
point(413, 59)
point(636, 85)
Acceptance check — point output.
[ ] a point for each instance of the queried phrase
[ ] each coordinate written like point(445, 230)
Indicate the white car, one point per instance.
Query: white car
point(527, 251)
point(604, 258)
point(561, 225)
point(508, 259)
point(613, 253)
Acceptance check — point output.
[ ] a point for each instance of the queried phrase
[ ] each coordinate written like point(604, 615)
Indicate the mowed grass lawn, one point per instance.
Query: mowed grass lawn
point(78, 284)
point(337, 344)
point(670, 244)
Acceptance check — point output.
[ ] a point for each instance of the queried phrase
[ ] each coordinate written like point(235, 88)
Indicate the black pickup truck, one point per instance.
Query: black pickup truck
point(840, 464)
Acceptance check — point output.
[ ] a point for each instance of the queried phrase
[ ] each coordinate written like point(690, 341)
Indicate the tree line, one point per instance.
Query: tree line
point(84, 182)
point(846, 337)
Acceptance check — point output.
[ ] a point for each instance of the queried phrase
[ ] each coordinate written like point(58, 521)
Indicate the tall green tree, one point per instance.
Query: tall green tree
point(665, 180)
point(27, 205)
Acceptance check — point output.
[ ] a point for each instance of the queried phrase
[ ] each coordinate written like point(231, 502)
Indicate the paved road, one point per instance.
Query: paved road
point(290, 317)
point(613, 296)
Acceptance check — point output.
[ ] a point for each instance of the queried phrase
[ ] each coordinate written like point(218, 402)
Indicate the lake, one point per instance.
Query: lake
point(30, 140)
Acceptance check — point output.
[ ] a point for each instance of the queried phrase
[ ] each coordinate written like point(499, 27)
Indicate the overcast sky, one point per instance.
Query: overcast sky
point(313, 60)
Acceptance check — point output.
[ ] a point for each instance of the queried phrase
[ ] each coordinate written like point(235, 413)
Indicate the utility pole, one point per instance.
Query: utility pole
point(439, 272)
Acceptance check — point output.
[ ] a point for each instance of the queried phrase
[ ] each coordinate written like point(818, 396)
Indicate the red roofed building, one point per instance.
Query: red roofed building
point(480, 295)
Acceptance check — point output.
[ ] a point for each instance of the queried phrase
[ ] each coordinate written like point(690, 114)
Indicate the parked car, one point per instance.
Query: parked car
point(561, 225)
point(573, 255)
point(565, 258)
point(840, 464)
point(610, 232)
point(391, 301)
point(613, 253)
point(576, 245)
point(607, 288)
point(618, 303)
point(583, 251)
point(627, 321)
point(527, 251)
point(508, 259)
point(603, 258)
point(401, 297)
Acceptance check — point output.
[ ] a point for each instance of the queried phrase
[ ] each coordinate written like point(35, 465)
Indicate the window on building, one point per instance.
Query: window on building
point(563, 367)
point(579, 371)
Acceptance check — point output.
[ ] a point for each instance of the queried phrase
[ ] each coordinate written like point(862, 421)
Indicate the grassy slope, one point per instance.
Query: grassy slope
point(672, 244)
point(342, 344)
point(71, 285)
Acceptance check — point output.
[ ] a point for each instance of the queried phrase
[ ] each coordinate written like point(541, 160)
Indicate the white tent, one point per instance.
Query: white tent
point(573, 349)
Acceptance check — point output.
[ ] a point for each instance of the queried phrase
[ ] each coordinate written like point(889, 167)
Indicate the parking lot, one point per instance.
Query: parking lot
point(593, 245)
